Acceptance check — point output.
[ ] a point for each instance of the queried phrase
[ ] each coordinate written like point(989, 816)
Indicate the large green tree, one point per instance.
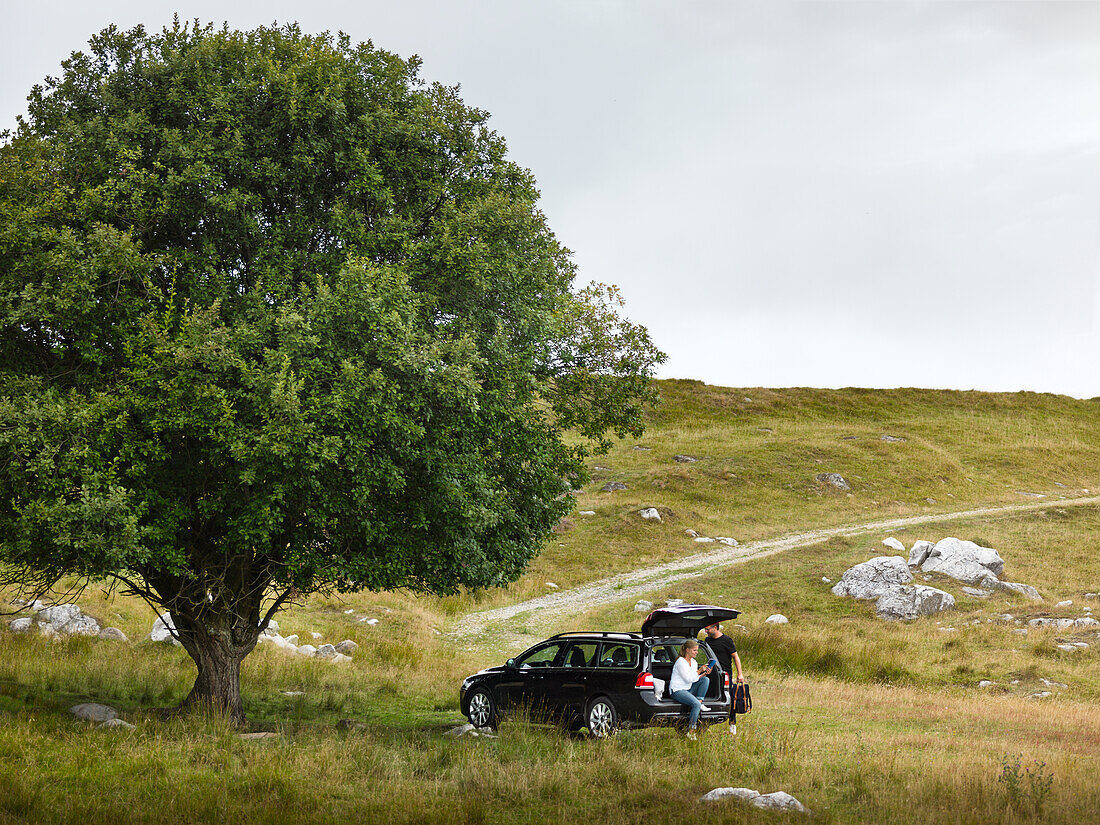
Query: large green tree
point(277, 317)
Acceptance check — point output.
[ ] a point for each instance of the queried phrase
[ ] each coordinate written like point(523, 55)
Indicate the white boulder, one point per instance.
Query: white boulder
point(163, 629)
point(1025, 590)
point(744, 794)
point(963, 560)
point(114, 724)
point(326, 651)
point(893, 544)
point(919, 552)
point(834, 480)
point(66, 619)
point(21, 625)
point(113, 634)
point(93, 712)
point(307, 650)
point(906, 603)
point(779, 801)
point(872, 578)
point(347, 647)
point(650, 514)
point(776, 618)
point(642, 606)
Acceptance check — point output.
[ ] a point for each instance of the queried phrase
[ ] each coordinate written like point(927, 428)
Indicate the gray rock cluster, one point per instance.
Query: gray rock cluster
point(887, 578)
point(57, 620)
point(164, 631)
point(334, 654)
point(776, 801)
point(726, 540)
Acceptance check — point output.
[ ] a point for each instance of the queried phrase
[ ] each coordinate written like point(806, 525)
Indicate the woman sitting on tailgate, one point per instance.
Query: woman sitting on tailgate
point(689, 683)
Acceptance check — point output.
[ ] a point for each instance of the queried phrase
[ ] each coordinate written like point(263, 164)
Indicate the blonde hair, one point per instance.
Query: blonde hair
point(688, 644)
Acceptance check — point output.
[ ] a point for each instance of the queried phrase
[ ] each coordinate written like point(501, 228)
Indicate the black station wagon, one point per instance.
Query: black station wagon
point(602, 680)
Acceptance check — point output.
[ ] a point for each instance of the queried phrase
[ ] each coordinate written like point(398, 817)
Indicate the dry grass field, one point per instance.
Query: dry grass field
point(862, 720)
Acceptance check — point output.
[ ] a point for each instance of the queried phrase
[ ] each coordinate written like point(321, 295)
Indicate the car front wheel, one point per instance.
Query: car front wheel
point(481, 712)
point(603, 720)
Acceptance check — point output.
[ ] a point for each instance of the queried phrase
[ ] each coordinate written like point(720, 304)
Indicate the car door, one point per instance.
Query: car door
point(525, 684)
point(616, 670)
point(566, 686)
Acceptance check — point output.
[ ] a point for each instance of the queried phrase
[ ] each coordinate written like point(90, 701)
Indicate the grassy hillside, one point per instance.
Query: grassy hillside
point(863, 720)
point(759, 452)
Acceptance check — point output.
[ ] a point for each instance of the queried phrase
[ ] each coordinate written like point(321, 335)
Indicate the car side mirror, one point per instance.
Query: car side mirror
point(510, 663)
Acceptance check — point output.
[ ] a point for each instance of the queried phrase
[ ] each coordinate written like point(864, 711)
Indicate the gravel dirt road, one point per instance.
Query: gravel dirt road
point(541, 614)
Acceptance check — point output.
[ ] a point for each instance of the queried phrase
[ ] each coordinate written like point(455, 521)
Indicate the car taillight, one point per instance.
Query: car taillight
point(645, 680)
point(726, 680)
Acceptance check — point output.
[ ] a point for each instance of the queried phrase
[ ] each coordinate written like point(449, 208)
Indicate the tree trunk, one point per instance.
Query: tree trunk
point(218, 640)
point(217, 686)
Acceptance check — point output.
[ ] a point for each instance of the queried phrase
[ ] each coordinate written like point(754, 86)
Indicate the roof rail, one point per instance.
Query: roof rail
point(603, 634)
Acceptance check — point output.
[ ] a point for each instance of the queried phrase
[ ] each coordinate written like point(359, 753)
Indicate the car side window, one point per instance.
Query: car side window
point(581, 654)
point(541, 656)
point(615, 654)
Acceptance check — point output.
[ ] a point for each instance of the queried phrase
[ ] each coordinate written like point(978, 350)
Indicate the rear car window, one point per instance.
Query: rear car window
point(581, 654)
point(618, 654)
point(665, 654)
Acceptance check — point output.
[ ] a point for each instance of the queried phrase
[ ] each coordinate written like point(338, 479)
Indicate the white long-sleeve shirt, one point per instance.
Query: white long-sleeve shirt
point(684, 675)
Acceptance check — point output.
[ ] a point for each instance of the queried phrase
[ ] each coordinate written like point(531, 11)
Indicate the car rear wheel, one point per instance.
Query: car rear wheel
point(603, 719)
point(481, 712)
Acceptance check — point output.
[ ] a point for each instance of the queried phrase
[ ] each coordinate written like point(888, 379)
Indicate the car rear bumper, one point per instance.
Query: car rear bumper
point(646, 709)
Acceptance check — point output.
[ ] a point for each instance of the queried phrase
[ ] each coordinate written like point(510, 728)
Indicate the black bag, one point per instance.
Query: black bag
point(741, 699)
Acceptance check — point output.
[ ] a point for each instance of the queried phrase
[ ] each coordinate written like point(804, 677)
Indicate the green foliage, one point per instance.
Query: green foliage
point(1025, 791)
point(278, 316)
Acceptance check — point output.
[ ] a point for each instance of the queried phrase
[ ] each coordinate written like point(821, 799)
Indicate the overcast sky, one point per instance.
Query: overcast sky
point(820, 194)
